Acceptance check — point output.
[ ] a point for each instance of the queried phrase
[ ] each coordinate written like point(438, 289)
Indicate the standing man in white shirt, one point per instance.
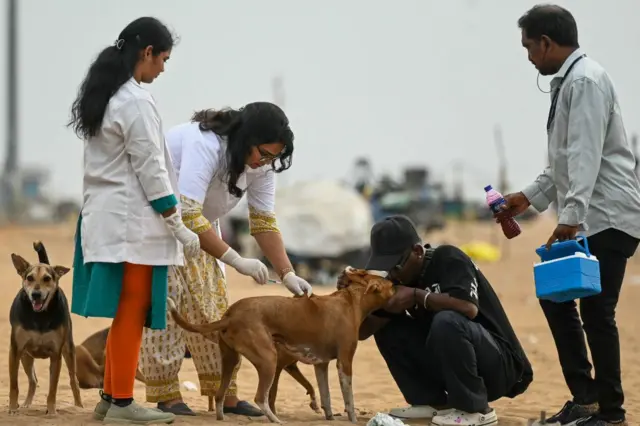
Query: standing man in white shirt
point(591, 177)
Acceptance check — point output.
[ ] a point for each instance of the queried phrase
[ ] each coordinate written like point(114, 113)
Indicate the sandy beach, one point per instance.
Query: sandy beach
point(374, 389)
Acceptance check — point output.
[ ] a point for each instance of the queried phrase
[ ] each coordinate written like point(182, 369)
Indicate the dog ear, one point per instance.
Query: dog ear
point(351, 271)
point(60, 270)
point(21, 265)
point(355, 271)
point(374, 286)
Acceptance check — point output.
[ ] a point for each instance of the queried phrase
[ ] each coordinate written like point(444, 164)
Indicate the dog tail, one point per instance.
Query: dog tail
point(195, 328)
point(43, 257)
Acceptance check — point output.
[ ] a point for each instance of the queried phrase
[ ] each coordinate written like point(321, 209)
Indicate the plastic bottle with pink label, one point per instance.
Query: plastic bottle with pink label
point(495, 200)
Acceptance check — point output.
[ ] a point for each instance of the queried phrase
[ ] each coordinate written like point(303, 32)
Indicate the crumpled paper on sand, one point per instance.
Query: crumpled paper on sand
point(383, 419)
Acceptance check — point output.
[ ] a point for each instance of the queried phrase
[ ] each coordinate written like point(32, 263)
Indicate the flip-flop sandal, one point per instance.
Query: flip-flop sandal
point(244, 409)
point(179, 409)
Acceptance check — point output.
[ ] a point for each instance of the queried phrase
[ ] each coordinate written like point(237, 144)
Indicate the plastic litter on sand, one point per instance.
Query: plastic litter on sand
point(383, 419)
point(190, 386)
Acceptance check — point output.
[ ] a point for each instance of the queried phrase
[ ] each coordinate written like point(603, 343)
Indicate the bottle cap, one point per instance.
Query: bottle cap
point(488, 188)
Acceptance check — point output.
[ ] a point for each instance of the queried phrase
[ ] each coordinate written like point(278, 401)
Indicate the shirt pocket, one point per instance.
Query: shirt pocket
point(103, 234)
point(148, 226)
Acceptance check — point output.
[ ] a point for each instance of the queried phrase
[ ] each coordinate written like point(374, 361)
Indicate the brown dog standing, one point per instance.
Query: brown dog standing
point(313, 330)
point(40, 328)
point(90, 356)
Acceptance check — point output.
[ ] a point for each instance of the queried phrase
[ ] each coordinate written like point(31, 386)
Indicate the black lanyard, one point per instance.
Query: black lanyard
point(554, 100)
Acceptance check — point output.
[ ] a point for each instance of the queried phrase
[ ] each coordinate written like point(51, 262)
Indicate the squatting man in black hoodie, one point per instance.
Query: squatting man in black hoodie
point(444, 336)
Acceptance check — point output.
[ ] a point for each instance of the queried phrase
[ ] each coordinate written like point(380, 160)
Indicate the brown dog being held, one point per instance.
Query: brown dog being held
point(40, 328)
point(273, 332)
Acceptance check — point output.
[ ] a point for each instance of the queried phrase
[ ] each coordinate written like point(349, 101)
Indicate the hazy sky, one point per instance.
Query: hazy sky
point(405, 82)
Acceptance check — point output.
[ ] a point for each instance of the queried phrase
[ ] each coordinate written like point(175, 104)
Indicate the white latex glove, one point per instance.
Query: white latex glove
point(251, 267)
point(296, 285)
point(188, 238)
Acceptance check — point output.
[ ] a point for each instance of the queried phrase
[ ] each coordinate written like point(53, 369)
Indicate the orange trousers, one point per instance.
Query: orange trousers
point(125, 336)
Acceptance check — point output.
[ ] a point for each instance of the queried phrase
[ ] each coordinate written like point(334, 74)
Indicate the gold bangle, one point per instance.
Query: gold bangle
point(285, 271)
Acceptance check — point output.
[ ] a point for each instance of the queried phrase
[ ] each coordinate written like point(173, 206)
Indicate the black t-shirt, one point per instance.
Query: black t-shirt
point(451, 271)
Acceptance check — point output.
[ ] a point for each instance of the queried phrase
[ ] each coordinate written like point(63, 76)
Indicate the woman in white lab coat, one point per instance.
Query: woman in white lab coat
point(130, 229)
point(220, 156)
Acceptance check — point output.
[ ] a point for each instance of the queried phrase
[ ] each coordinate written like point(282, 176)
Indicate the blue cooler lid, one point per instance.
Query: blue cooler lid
point(563, 249)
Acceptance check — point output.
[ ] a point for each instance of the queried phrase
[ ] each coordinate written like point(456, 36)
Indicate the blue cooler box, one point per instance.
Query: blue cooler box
point(567, 271)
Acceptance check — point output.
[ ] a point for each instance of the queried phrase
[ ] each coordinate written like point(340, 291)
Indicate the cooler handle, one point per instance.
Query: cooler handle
point(585, 243)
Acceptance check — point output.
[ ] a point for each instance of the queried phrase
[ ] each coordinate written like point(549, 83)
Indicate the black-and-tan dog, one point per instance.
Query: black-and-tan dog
point(40, 328)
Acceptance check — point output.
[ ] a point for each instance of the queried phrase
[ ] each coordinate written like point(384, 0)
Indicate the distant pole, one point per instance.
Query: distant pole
point(458, 180)
point(503, 182)
point(503, 185)
point(457, 183)
point(11, 158)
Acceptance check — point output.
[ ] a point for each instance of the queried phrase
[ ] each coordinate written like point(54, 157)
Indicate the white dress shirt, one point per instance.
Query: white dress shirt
point(591, 173)
point(199, 158)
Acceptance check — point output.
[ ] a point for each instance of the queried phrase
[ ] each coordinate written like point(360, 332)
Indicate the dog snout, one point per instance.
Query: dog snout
point(36, 296)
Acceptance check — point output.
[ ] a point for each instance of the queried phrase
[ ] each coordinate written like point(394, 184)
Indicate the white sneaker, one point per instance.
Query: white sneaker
point(460, 418)
point(418, 412)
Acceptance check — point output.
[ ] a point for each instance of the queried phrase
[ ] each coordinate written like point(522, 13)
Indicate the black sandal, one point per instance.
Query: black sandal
point(243, 408)
point(179, 409)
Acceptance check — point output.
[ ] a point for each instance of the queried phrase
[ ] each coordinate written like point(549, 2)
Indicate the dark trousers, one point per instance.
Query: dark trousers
point(612, 248)
point(453, 355)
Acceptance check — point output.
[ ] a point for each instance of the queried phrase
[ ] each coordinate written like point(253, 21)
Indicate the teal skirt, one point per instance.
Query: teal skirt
point(97, 287)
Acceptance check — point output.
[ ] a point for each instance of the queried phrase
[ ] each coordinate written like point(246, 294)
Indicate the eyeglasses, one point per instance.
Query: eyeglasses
point(266, 156)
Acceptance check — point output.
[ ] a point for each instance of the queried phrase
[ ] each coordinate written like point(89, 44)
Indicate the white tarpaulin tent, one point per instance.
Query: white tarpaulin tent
point(320, 218)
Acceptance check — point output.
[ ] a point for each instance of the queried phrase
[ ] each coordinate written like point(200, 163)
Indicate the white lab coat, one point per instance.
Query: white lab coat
point(126, 166)
point(199, 159)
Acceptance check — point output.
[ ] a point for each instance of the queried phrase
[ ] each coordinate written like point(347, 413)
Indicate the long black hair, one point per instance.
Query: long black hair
point(254, 124)
point(113, 67)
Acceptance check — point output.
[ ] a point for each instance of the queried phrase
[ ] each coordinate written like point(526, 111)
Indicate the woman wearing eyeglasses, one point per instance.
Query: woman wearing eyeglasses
point(219, 156)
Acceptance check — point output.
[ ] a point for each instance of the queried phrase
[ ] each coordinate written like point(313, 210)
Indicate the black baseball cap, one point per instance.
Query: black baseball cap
point(390, 240)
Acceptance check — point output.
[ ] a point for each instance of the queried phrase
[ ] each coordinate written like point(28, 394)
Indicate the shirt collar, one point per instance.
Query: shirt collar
point(133, 81)
point(567, 63)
